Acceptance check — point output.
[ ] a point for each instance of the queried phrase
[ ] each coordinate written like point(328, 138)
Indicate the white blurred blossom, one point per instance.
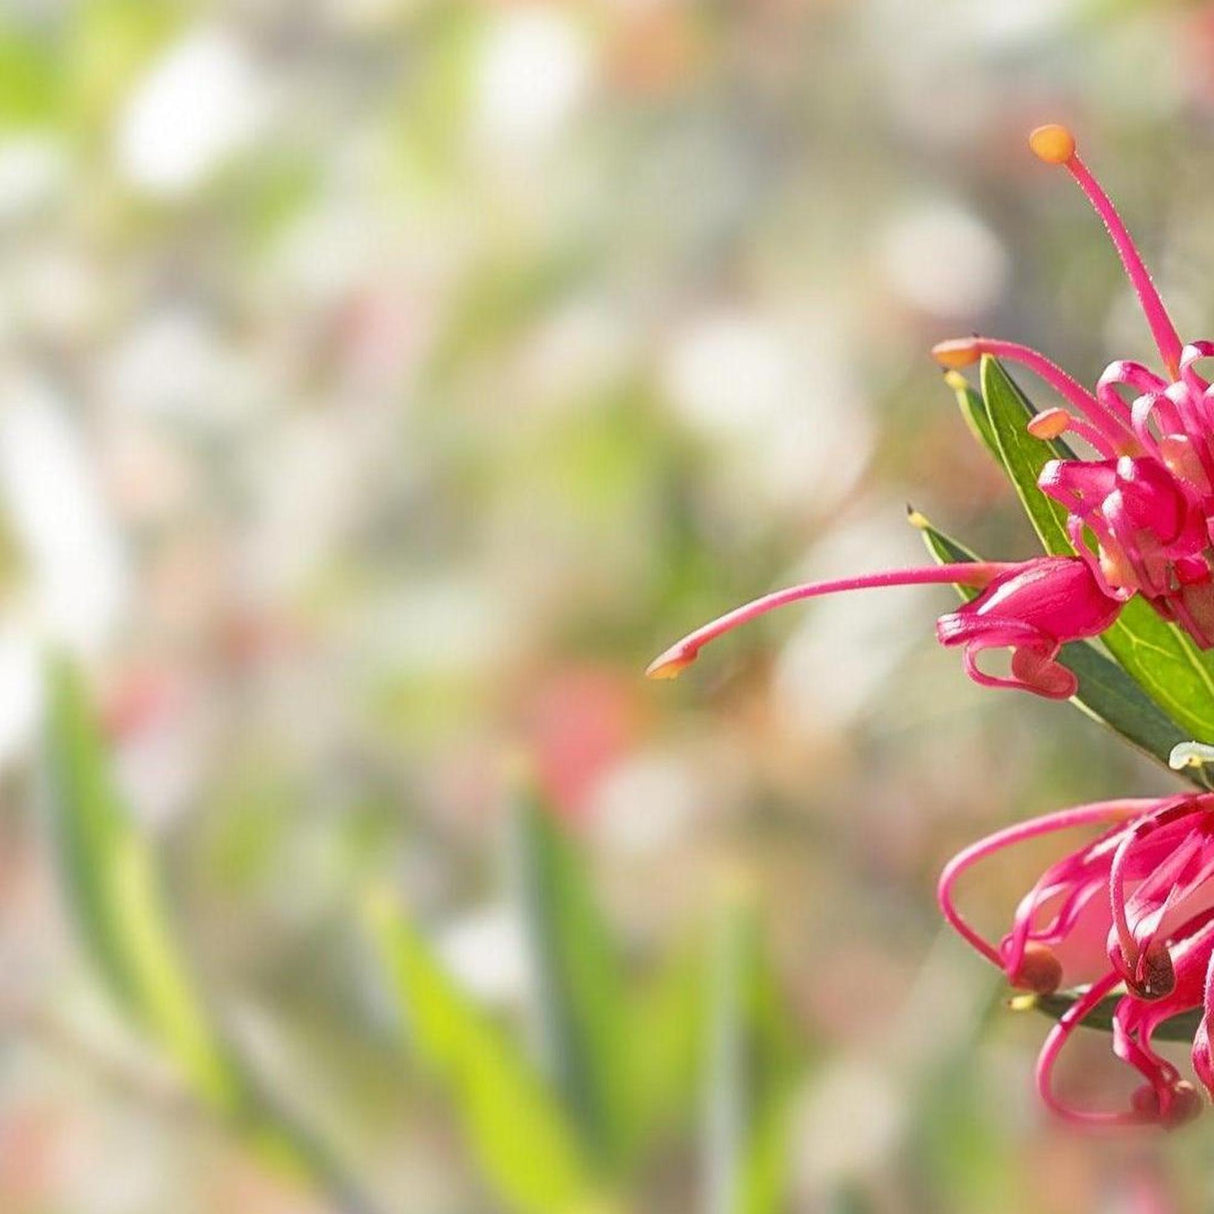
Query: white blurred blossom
point(943, 260)
point(645, 804)
point(78, 569)
point(778, 395)
point(33, 170)
point(535, 69)
point(197, 105)
point(20, 689)
point(486, 952)
point(845, 648)
point(174, 363)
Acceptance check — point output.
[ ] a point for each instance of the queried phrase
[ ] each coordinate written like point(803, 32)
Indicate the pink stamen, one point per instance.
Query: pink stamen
point(1114, 429)
point(1054, 423)
point(1162, 329)
point(674, 660)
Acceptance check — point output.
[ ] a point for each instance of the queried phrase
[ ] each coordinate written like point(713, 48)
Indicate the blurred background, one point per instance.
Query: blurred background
point(382, 384)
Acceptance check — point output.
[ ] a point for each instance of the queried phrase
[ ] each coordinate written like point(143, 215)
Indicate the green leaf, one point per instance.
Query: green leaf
point(1106, 693)
point(668, 1021)
point(751, 1073)
point(581, 989)
point(1023, 456)
point(528, 1153)
point(973, 410)
point(114, 890)
point(1155, 654)
point(1176, 1028)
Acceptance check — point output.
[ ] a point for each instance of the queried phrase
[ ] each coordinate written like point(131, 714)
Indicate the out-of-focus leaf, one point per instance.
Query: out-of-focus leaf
point(1106, 693)
point(1156, 655)
point(529, 1155)
point(751, 1071)
point(105, 45)
point(1176, 1028)
point(122, 916)
point(668, 1022)
point(113, 887)
point(31, 78)
point(581, 990)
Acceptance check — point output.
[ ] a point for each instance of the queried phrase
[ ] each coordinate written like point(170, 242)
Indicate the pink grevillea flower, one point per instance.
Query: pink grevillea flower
point(1031, 608)
point(1148, 501)
point(1130, 912)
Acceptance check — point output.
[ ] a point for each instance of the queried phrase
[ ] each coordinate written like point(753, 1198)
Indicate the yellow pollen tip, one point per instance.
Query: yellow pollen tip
point(956, 381)
point(958, 353)
point(1052, 143)
point(669, 665)
point(1050, 423)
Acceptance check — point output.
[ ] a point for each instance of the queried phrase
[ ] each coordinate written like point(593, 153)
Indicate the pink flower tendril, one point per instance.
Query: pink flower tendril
point(1031, 608)
point(1132, 910)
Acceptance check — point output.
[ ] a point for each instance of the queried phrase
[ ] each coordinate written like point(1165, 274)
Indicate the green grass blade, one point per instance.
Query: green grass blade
point(1155, 654)
point(113, 889)
point(752, 1069)
point(527, 1152)
point(580, 983)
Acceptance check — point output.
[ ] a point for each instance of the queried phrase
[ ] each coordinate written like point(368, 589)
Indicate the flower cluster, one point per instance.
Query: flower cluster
point(1131, 909)
point(1128, 917)
point(1148, 501)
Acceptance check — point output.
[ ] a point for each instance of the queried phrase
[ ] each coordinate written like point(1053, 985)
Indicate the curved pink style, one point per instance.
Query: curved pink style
point(1031, 608)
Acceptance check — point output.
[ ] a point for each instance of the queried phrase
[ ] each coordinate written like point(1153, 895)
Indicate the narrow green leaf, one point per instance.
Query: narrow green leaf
point(1176, 1028)
point(1155, 654)
point(668, 1022)
point(751, 1073)
point(527, 1152)
point(973, 410)
point(581, 988)
point(114, 890)
point(1023, 456)
point(1106, 693)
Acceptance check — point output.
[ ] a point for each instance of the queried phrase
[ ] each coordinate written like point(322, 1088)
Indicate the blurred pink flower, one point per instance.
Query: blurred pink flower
point(579, 722)
point(1135, 909)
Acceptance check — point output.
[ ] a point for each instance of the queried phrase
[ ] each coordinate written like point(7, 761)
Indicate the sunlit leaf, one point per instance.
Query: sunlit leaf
point(973, 410)
point(751, 1071)
point(113, 885)
point(123, 919)
point(527, 1152)
point(668, 1020)
point(581, 991)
